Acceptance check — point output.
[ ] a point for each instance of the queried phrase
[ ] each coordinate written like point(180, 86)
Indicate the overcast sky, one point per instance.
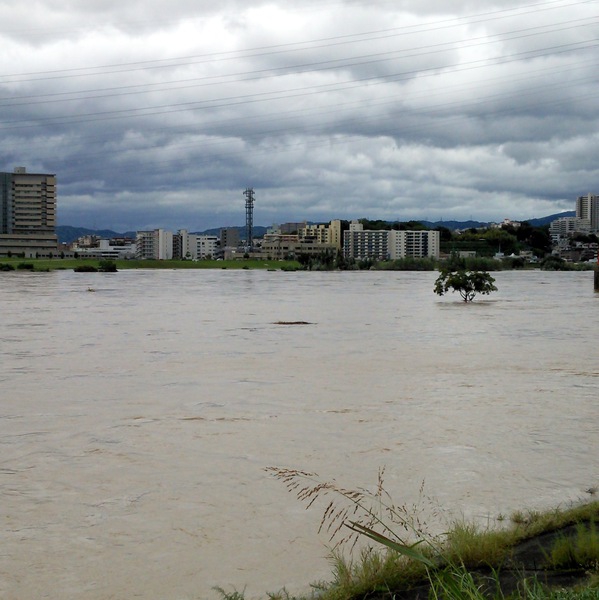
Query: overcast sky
point(160, 114)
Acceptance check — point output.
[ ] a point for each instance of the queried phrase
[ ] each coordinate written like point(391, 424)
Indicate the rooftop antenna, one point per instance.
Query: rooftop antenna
point(249, 216)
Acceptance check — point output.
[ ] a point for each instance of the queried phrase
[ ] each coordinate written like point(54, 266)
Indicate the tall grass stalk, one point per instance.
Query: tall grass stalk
point(448, 562)
point(349, 514)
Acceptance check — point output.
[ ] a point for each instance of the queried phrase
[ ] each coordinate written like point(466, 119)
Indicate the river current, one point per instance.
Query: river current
point(139, 410)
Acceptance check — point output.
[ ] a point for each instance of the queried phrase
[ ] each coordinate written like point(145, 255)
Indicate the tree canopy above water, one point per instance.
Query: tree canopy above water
point(467, 283)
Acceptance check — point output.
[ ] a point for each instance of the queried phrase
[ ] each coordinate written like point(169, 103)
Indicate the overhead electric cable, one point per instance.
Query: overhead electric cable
point(287, 70)
point(295, 92)
point(236, 55)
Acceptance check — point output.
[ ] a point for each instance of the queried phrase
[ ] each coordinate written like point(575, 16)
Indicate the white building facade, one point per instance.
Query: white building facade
point(565, 227)
point(392, 244)
point(206, 246)
point(104, 248)
point(414, 244)
point(154, 245)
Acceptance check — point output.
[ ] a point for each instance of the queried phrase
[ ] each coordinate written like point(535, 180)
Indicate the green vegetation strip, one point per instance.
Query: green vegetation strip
point(54, 264)
point(552, 555)
point(316, 263)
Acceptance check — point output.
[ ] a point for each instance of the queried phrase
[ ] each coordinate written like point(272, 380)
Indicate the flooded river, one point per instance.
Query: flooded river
point(138, 411)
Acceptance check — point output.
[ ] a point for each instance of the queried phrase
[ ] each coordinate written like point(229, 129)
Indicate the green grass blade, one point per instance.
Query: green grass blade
point(393, 545)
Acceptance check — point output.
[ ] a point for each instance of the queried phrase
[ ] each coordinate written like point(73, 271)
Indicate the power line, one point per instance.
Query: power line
point(294, 92)
point(293, 46)
point(318, 66)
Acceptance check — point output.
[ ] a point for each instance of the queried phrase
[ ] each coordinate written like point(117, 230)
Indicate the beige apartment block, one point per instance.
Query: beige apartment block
point(281, 246)
point(28, 213)
point(323, 233)
point(318, 234)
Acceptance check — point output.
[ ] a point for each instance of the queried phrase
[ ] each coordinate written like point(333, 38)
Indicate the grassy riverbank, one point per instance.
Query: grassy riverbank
point(551, 555)
point(405, 264)
point(54, 264)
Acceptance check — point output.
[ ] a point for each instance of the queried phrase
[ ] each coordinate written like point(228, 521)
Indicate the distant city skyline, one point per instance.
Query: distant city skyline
point(238, 221)
point(384, 110)
point(242, 227)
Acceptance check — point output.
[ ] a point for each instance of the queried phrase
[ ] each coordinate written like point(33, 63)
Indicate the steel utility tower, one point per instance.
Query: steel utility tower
point(249, 217)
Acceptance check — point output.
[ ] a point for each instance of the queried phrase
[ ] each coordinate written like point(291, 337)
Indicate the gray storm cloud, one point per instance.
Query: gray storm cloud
point(160, 115)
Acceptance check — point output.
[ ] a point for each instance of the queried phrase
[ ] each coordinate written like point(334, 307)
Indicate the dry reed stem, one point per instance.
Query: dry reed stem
point(374, 510)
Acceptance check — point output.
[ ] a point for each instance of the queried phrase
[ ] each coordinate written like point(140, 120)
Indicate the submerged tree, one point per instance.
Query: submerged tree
point(466, 283)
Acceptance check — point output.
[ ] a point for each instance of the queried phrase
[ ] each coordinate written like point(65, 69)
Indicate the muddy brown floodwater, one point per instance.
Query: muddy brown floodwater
point(136, 422)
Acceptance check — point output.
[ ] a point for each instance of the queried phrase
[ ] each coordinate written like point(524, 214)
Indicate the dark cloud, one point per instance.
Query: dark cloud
point(161, 115)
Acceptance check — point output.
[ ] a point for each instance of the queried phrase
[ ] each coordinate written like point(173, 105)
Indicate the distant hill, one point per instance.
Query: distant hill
point(67, 234)
point(453, 225)
point(540, 222)
point(547, 220)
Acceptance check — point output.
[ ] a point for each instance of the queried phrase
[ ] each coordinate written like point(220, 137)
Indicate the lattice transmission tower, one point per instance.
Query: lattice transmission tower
point(249, 217)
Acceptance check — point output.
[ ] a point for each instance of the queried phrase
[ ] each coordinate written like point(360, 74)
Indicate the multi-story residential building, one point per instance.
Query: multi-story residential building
point(322, 233)
point(564, 227)
point(360, 244)
point(318, 234)
point(206, 246)
point(587, 208)
point(194, 246)
point(184, 245)
point(279, 246)
point(154, 245)
point(335, 234)
point(382, 244)
point(28, 213)
point(415, 244)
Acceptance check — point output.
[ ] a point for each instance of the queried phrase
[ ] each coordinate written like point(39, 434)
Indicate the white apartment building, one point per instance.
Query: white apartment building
point(154, 245)
point(415, 244)
point(104, 248)
point(206, 246)
point(565, 226)
point(389, 244)
point(360, 244)
point(194, 246)
point(181, 241)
